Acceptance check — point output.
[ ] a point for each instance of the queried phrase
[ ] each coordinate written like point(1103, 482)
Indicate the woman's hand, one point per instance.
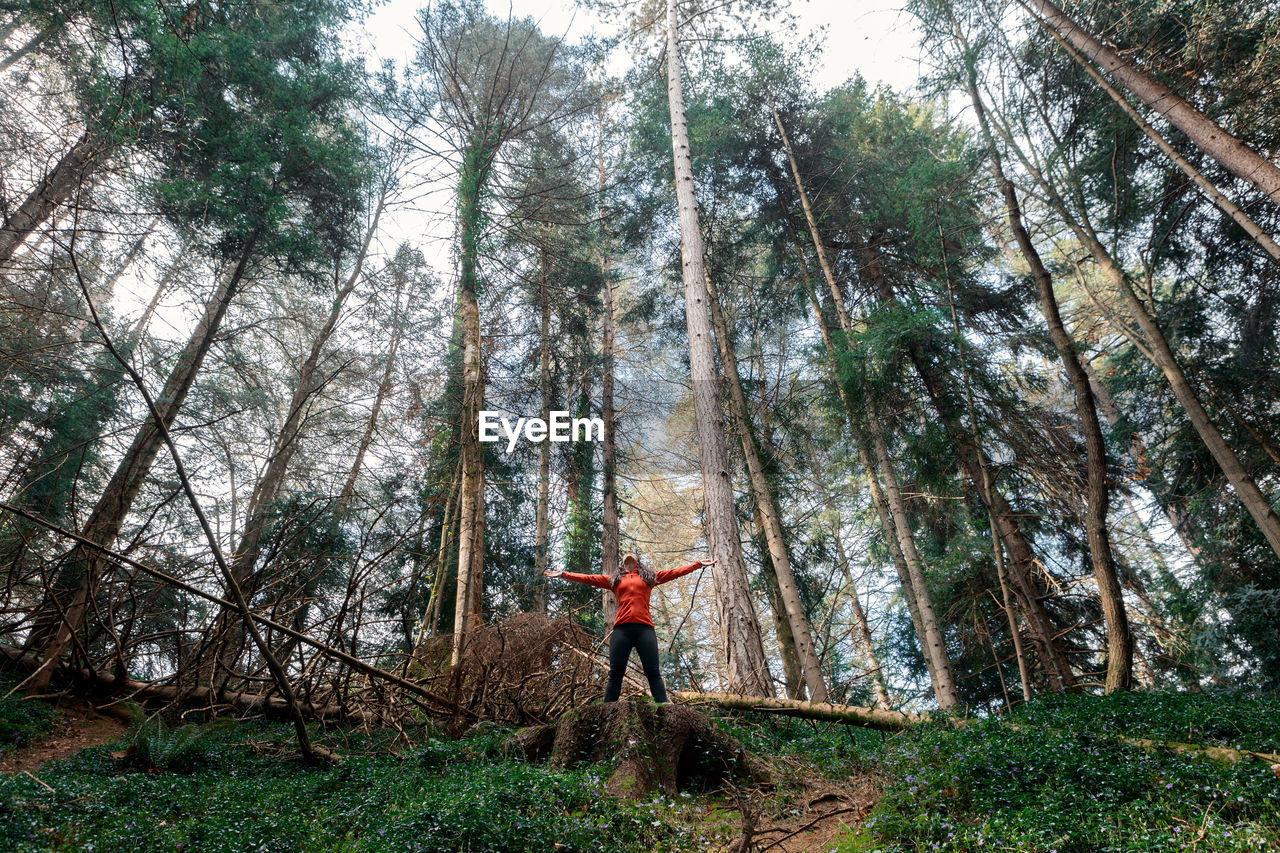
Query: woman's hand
point(554, 573)
point(708, 562)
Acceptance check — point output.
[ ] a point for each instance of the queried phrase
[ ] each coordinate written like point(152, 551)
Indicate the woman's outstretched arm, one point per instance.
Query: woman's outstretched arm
point(601, 581)
point(671, 574)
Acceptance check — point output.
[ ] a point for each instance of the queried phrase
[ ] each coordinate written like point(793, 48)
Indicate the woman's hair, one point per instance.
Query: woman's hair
point(646, 573)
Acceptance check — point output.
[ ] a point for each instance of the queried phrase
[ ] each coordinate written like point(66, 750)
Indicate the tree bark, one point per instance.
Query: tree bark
point(544, 449)
point(53, 189)
point(792, 674)
point(1237, 157)
point(609, 544)
point(747, 670)
point(467, 614)
point(1098, 497)
point(766, 503)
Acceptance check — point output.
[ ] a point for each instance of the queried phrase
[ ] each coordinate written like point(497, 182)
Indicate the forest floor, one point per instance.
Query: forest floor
point(73, 726)
point(1065, 776)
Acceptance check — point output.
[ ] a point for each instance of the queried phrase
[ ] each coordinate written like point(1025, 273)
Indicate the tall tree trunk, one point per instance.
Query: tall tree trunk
point(1237, 157)
point(608, 446)
point(467, 612)
point(544, 449)
point(747, 669)
point(766, 506)
point(75, 167)
point(1098, 497)
point(228, 632)
point(64, 612)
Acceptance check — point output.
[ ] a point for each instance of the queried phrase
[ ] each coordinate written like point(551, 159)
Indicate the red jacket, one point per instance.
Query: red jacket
point(632, 592)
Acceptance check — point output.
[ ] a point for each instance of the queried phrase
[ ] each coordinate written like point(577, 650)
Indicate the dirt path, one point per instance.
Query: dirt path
point(80, 726)
point(825, 816)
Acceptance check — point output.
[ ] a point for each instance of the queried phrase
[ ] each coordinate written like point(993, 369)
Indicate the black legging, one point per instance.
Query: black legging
point(642, 638)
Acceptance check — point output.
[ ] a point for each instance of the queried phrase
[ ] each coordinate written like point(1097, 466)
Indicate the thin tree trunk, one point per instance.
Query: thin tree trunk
point(103, 294)
point(944, 684)
point(766, 503)
point(544, 449)
point(54, 189)
point(139, 327)
point(66, 607)
point(747, 669)
point(471, 501)
point(431, 620)
point(1237, 157)
point(1098, 498)
point(792, 674)
point(608, 446)
point(384, 388)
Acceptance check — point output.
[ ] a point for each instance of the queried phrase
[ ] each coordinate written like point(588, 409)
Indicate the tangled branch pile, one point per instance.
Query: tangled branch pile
point(525, 670)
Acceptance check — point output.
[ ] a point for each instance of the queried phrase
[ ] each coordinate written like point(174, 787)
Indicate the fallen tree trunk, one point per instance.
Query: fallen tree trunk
point(1222, 754)
point(108, 683)
point(854, 715)
point(897, 721)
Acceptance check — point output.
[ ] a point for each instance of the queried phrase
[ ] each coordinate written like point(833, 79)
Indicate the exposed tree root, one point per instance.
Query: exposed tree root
point(657, 748)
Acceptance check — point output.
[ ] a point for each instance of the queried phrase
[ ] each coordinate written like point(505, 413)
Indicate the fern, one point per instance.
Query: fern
point(155, 746)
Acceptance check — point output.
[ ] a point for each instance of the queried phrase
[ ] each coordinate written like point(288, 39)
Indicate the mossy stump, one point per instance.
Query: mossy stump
point(666, 748)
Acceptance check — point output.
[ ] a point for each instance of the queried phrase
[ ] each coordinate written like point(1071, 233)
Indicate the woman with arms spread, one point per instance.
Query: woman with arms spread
point(632, 584)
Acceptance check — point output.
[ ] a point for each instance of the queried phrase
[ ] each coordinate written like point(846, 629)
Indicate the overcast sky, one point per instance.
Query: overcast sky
point(869, 36)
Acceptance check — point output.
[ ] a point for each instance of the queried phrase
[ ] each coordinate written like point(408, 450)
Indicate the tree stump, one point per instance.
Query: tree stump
point(665, 748)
